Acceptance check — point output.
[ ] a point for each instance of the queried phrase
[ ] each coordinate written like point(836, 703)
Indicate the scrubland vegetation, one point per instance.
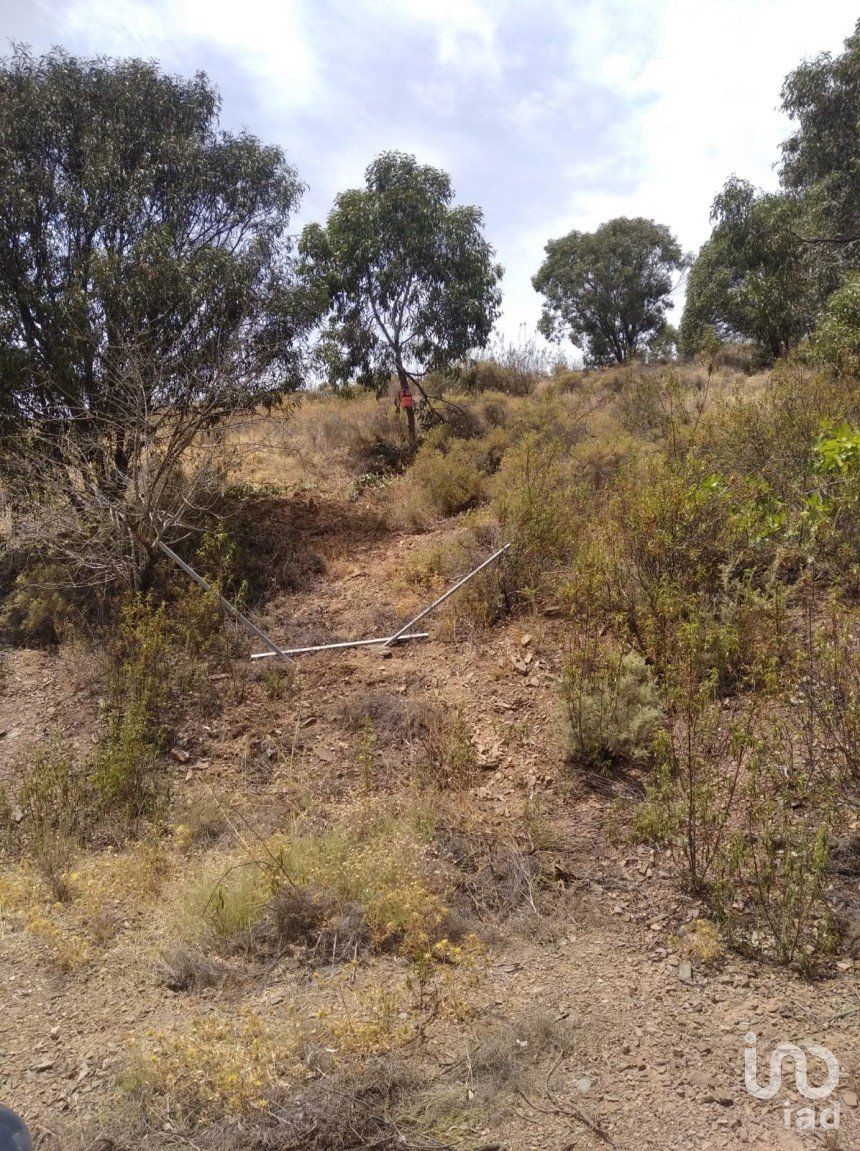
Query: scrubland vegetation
point(686, 533)
point(294, 862)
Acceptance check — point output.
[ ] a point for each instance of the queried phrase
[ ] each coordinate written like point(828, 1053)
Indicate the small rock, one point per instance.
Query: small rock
point(584, 1085)
point(54, 1032)
point(724, 1098)
point(849, 1098)
point(17, 814)
point(179, 755)
point(526, 640)
point(521, 667)
point(685, 971)
point(45, 1063)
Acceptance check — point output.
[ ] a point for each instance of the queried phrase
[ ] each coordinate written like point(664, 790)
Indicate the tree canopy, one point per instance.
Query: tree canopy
point(406, 278)
point(754, 279)
point(609, 290)
point(131, 228)
point(821, 159)
point(146, 278)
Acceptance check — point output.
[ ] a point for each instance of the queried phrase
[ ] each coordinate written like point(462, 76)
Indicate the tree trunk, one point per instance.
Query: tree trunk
point(409, 407)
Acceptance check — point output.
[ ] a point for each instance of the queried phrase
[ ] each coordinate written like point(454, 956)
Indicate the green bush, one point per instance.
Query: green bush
point(610, 708)
point(837, 336)
point(539, 509)
point(449, 480)
point(42, 609)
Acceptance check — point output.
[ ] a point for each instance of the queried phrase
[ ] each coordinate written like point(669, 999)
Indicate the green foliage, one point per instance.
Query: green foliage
point(407, 280)
point(160, 237)
point(538, 508)
point(837, 334)
point(821, 159)
point(772, 891)
point(754, 279)
point(610, 707)
point(609, 290)
point(42, 609)
point(701, 757)
point(450, 480)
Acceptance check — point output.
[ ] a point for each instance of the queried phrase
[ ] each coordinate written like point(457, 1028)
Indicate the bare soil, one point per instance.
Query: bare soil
point(648, 1059)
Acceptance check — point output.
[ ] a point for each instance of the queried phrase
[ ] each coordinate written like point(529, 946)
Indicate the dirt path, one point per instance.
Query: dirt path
point(653, 1055)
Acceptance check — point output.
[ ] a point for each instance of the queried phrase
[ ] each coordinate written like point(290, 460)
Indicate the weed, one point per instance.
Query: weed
point(610, 707)
point(450, 758)
point(277, 681)
point(366, 752)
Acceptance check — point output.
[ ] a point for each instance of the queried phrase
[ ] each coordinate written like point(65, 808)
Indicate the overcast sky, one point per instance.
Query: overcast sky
point(550, 115)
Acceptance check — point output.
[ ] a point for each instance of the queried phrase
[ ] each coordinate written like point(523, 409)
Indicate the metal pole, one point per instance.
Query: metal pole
point(243, 619)
point(336, 646)
point(436, 603)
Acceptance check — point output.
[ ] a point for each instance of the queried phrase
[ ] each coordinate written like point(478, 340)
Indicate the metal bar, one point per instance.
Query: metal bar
point(243, 619)
point(336, 646)
point(436, 603)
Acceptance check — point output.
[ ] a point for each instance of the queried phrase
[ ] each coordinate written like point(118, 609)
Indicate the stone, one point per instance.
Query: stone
point(724, 1098)
point(179, 755)
point(685, 971)
point(849, 1098)
point(584, 1085)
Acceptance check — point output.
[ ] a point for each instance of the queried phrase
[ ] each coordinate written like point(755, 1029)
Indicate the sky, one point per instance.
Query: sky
point(550, 116)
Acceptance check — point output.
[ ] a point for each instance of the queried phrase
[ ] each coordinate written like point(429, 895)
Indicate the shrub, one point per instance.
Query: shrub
point(450, 481)
point(42, 609)
point(538, 509)
point(837, 336)
point(610, 707)
point(450, 759)
point(772, 894)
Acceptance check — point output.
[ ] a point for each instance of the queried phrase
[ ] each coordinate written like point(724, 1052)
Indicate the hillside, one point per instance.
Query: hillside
point(448, 898)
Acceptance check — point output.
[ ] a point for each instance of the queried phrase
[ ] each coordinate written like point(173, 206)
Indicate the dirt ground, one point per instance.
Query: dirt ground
point(652, 1053)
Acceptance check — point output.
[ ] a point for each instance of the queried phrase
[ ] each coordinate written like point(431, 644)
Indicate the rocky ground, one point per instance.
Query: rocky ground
point(646, 1041)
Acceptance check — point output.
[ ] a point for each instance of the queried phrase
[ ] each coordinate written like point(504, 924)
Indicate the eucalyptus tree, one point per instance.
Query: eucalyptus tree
point(146, 283)
point(609, 290)
point(407, 280)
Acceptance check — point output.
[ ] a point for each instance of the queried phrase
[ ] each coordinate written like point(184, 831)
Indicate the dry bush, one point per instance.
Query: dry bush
point(448, 758)
point(539, 506)
point(352, 432)
point(396, 720)
point(44, 607)
point(368, 1103)
point(493, 881)
point(189, 969)
point(445, 480)
point(329, 893)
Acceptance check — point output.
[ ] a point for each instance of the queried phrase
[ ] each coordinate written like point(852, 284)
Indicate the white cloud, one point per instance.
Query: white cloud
point(552, 116)
point(465, 31)
point(266, 37)
point(707, 107)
